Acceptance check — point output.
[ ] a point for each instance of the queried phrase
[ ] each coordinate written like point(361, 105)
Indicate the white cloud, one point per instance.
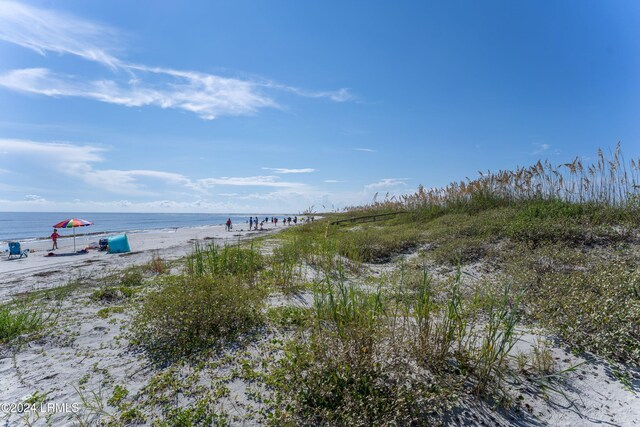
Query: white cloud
point(48, 31)
point(124, 206)
point(285, 171)
point(60, 151)
point(540, 148)
point(206, 95)
point(543, 148)
point(34, 198)
point(341, 95)
point(78, 161)
point(386, 183)
point(332, 181)
point(250, 181)
point(366, 150)
point(130, 182)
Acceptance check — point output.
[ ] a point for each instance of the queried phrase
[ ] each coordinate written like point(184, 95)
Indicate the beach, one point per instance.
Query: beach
point(53, 375)
point(39, 271)
point(87, 365)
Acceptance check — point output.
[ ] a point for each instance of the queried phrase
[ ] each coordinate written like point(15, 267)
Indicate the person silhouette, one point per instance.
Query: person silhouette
point(54, 238)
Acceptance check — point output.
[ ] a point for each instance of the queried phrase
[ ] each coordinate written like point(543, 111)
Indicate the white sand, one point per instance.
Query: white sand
point(39, 271)
point(90, 352)
point(83, 346)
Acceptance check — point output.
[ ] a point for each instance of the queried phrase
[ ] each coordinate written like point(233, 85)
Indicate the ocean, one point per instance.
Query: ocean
point(25, 226)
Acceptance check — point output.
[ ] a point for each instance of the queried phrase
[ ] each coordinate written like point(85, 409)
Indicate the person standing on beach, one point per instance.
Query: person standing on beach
point(228, 224)
point(250, 222)
point(54, 238)
point(255, 223)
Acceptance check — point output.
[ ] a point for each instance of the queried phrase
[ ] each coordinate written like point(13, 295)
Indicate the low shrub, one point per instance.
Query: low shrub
point(157, 265)
point(288, 316)
point(188, 314)
point(369, 358)
point(378, 245)
point(329, 380)
point(596, 310)
point(112, 294)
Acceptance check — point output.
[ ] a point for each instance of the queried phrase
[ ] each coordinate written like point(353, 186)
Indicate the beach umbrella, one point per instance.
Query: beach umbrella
point(73, 223)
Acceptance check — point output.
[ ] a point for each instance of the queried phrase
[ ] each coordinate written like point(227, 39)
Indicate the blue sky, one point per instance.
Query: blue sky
point(277, 106)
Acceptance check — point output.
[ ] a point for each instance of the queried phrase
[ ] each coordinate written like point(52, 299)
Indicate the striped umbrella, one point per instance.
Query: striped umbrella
point(73, 223)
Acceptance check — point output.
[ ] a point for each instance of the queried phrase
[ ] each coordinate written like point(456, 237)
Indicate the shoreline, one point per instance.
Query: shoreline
point(28, 240)
point(38, 271)
point(111, 224)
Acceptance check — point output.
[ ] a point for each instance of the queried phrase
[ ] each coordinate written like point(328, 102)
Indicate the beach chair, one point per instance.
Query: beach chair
point(14, 250)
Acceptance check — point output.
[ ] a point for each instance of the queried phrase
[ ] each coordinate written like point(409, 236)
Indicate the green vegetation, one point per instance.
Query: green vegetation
point(157, 265)
point(214, 301)
point(103, 313)
point(18, 320)
point(596, 309)
point(410, 315)
point(374, 357)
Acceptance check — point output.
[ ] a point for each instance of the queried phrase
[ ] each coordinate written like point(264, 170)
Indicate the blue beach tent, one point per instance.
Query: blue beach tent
point(119, 244)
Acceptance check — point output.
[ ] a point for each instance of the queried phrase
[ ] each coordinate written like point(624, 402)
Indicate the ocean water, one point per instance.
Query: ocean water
point(25, 226)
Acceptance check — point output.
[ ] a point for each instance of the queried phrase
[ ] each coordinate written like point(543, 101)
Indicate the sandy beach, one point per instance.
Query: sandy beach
point(86, 357)
point(84, 352)
point(38, 270)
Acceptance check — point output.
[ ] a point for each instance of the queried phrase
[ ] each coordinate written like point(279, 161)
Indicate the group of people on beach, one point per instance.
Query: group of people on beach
point(254, 222)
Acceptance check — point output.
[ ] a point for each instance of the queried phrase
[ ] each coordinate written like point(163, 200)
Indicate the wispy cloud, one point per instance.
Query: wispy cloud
point(285, 171)
point(247, 181)
point(366, 150)
point(134, 182)
point(331, 181)
point(341, 95)
point(386, 183)
point(543, 148)
point(35, 198)
point(197, 205)
point(206, 95)
point(57, 152)
point(47, 31)
point(78, 161)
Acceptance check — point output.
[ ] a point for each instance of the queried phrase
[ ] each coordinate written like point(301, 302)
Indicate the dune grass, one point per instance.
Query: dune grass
point(374, 356)
point(214, 301)
point(343, 369)
point(16, 320)
point(406, 347)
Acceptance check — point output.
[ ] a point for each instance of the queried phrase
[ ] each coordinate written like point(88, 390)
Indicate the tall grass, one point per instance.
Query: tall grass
point(610, 181)
point(373, 357)
point(214, 261)
point(285, 272)
point(18, 320)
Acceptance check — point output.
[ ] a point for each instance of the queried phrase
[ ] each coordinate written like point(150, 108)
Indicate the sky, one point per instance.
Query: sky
point(284, 106)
